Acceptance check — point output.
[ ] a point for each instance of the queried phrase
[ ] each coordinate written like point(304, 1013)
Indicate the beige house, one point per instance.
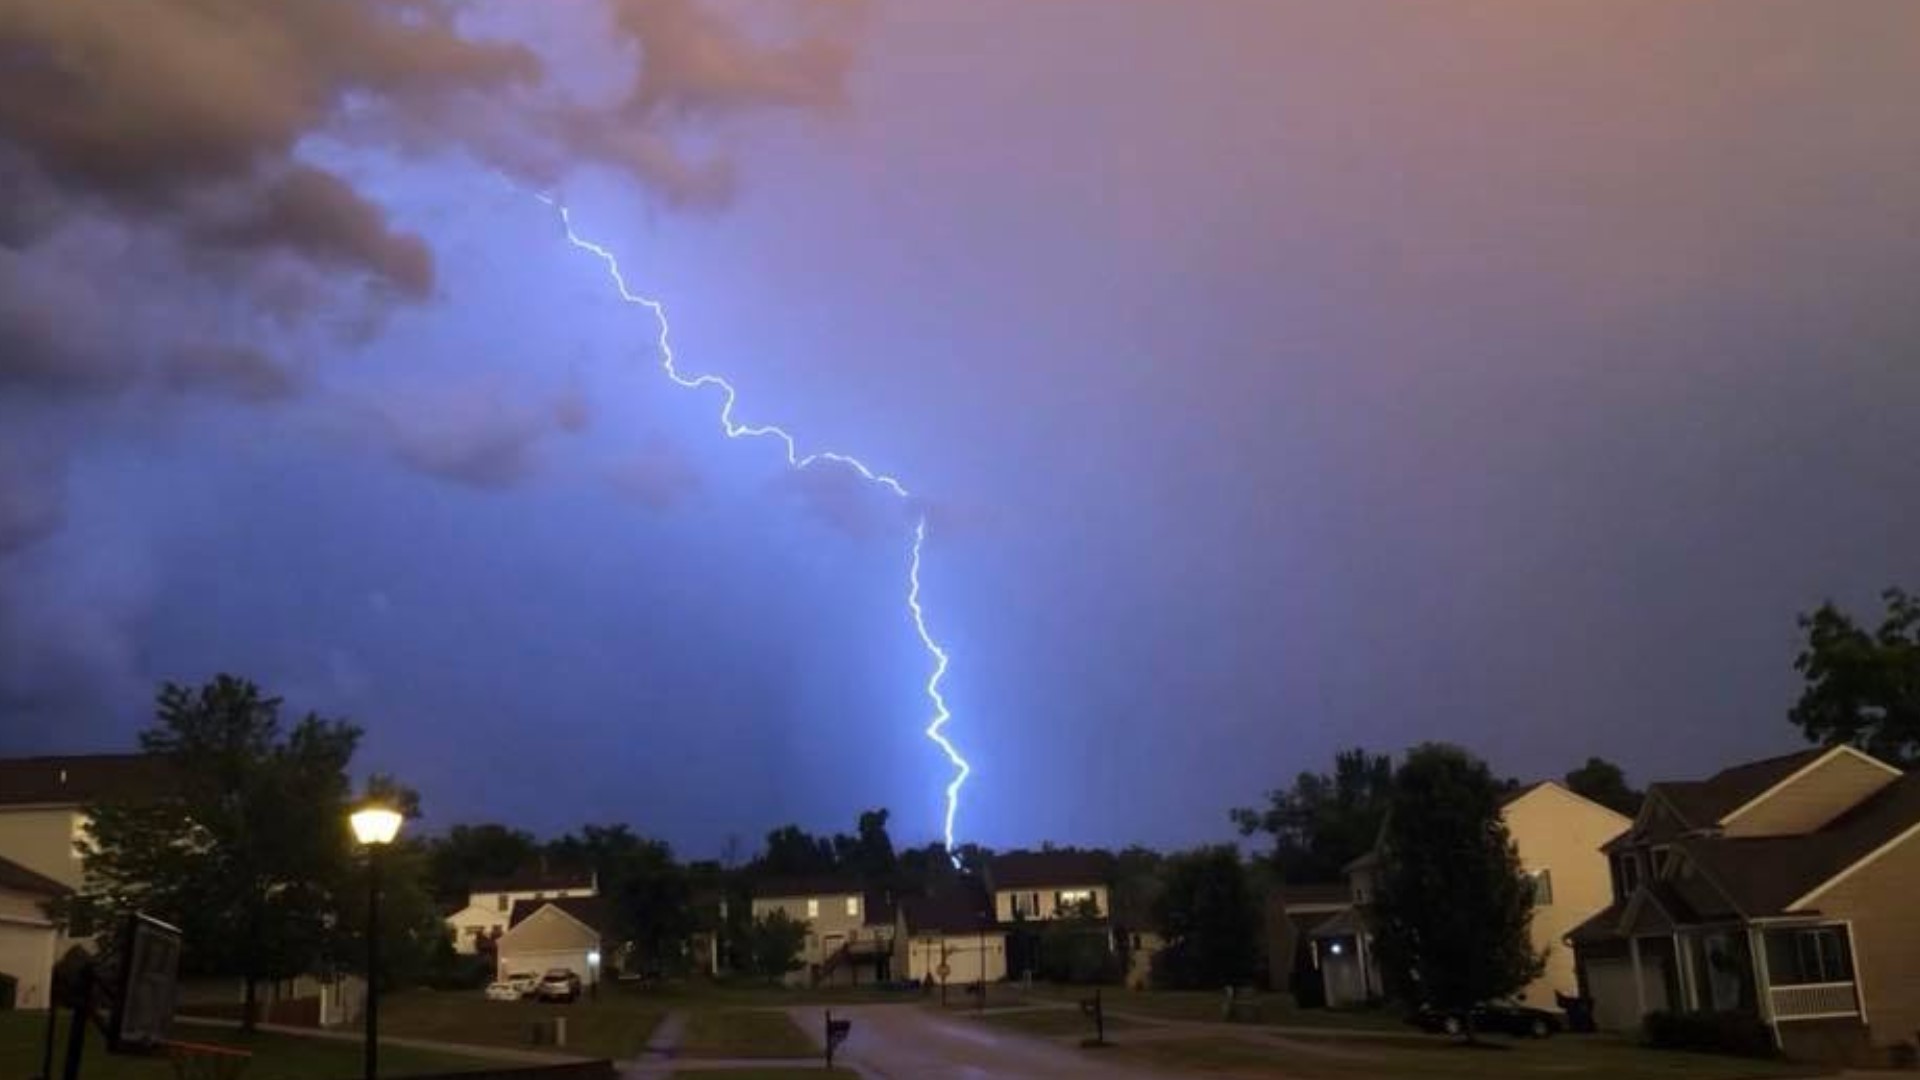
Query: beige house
point(42, 823)
point(1558, 836)
point(490, 903)
point(949, 939)
point(848, 927)
point(564, 933)
point(1030, 885)
point(1783, 888)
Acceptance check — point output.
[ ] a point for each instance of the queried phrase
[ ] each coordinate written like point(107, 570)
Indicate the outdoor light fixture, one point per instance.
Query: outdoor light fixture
point(375, 824)
point(1335, 949)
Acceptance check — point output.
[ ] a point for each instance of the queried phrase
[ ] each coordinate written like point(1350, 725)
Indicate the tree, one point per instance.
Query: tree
point(1605, 783)
point(773, 944)
point(869, 852)
point(248, 850)
point(793, 852)
point(1323, 822)
point(1451, 907)
point(1210, 918)
point(470, 853)
point(1862, 688)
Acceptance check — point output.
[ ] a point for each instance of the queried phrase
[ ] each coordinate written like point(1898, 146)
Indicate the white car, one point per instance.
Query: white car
point(503, 991)
point(526, 982)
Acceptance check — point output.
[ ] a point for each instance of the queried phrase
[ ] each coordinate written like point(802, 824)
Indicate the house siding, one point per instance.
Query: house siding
point(1048, 898)
point(1878, 900)
point(1560, 832)
point(1823, 793)
point(42, 840)
point(825, 931)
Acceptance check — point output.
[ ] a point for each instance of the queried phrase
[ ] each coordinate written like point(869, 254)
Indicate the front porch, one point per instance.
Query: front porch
point(1781, 971)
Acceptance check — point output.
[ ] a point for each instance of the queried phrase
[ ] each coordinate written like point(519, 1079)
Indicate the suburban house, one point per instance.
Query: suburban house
point(1558, 836)
point(1293, 912)
point(951, 938)
point(565, 932)
point(848, 927)
point(1782, 888)
point(43, 819)
point(490, 903)
point(1030, 885)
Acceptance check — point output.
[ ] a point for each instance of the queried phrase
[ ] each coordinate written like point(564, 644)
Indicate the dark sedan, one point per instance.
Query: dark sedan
point(1505, 1018)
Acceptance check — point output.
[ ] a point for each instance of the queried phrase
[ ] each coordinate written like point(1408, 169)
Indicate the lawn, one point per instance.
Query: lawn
point(615, 1026)
point(1268, 1009)
point(753, 993)
point(744, 1033)
point(767, 1072)
point(1583, 1058)
point(276, 1057)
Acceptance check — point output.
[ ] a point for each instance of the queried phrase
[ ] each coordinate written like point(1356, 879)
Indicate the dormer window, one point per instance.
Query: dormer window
point(1629, 874)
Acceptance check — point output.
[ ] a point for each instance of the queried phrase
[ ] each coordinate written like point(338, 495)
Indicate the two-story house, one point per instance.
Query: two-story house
point(1558, 836)
point(849, 927)
point(490, 902)
point(1038, 885)
point(1781, 888)
point(43, 820)
point(949, 939)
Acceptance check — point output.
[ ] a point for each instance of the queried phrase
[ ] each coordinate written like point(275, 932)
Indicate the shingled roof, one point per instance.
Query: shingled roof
point(1049, 869)
point(1701, 804)
point(590, 910)
point(17, 878)
point(959, 912)
point(78, 779)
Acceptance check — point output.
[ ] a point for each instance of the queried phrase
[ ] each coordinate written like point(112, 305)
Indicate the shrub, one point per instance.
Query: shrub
point(1716, 1032)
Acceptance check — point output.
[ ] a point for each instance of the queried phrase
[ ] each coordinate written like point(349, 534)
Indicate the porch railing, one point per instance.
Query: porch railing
point(1810, 1001)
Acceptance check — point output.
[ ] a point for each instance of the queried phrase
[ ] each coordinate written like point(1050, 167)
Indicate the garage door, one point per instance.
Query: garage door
point(1615, 1006)
point(539, 962)
point(26, 954)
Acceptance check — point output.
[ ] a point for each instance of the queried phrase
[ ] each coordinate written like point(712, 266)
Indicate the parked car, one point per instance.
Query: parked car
point(558, 984)
point(1493, 1017)
point(526, 982)
point(503, 991)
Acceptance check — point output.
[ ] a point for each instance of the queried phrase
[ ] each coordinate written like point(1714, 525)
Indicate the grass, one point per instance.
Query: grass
point(1206, 1005)
point(748, 993)
point(275, 1057)
point(768, 1072)
point(616, 1025)
point(1583, 1058)
point(744, 1033)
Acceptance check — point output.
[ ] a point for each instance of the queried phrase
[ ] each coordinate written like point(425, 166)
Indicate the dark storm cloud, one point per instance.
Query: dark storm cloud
point(155, 164)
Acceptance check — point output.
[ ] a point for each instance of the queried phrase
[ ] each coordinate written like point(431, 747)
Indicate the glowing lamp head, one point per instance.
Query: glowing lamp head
point(1335, 949)
point(375, 824)
point(593, 957)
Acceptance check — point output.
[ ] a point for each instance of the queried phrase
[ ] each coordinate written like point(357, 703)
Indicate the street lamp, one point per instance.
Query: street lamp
point(375, 825)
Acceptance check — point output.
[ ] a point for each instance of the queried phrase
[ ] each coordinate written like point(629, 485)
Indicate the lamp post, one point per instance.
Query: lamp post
point(375, 825)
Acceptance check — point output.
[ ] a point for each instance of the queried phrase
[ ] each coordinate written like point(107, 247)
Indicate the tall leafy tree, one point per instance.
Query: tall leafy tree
point(470, 853)
point(248, 850)
point(1605, 783)
point(1324, 820)
point(1452, 908)
point(648, 889)
point(1862, 687)
point(869, 852)
point(793, 852)
point(1210, 917)
point(773, 944)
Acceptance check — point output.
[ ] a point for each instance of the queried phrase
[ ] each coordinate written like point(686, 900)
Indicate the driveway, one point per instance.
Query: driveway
point(902, 1042)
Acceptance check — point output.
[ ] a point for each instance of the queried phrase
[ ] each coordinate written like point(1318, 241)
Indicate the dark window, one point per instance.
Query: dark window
point(1629, 874)
point(1815, 955)
point(1542, 887)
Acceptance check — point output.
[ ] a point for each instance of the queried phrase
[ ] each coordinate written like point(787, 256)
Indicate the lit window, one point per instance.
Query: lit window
point(813, 908)
point(81, 833)
point(853, 905)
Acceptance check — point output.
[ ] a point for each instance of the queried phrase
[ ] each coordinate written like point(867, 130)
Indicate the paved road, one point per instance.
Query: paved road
point(901, 1042)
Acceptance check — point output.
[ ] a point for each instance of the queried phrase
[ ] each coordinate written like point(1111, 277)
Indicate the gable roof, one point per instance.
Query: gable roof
point(1308, 894)
point(957, 912)
point(1522, 792)
point(1700, 804)
point(1768, 875)
point(589, 911)
point(790, 888)
point(18, 878)
point(1049, 869)
point(77, 779)
point(536, 879)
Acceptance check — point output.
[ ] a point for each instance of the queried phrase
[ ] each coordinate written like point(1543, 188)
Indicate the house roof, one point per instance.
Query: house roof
point(1522, 792)
point(959, 912)
point(1314, 894)
point(788, 888)
point(590, 910)
point(536, 879)
point(1346, 922)
point(1764, 875)
point(1702, 803)
point(18, 878)
point(1049, 869)
point(77, 779)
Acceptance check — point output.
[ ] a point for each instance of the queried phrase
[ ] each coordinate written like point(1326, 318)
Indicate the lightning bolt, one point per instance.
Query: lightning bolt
point(729, 397)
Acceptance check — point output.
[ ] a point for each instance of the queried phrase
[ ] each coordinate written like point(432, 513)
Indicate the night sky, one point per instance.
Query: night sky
point(1275, 377)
